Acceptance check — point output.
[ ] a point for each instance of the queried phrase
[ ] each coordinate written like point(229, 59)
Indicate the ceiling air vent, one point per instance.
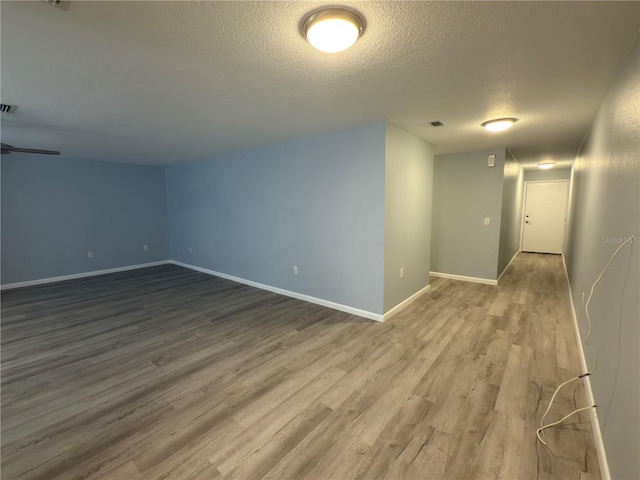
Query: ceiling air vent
point(437, 123)
point(6, 108)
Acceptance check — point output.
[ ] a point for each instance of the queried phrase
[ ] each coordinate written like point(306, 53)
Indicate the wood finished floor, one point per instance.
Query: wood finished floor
point(165, 373)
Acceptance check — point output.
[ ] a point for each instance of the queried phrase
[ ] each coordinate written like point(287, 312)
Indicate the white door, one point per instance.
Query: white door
point(545, 206)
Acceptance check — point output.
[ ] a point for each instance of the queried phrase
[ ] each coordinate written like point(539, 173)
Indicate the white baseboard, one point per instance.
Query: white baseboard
point(486, 281)
point(595, 423)
point(74, 276)
point(318, 301)
point(325, 303)
point(508, 265)
point(395, 310)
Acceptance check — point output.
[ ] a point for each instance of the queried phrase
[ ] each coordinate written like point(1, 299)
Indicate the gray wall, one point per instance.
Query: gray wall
point(55, 210)
point(317, 203)
point(605, 208)
point(511, 219)
point(465, 191)
point(407, 215)
point(551, 174)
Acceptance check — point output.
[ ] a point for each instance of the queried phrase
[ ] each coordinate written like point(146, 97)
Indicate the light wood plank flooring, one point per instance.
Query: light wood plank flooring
point(165, 373)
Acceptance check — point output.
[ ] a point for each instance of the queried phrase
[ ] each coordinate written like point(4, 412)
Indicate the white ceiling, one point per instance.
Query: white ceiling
point(169, 82)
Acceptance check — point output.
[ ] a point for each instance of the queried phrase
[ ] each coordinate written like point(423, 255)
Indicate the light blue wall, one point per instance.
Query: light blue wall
point(551, 174)
point(604, 210)
point(408, 192)
point(317, 203)
point(511, 220)
point(55, 210)
point(465, 191)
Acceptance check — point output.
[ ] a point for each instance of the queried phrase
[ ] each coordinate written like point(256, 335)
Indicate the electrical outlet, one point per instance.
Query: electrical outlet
point(145, 248)
point(402, 273)
point(90, 254)
point(295, 270)
point(487, 221)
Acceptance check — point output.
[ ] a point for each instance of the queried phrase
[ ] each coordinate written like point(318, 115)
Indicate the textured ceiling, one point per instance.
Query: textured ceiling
point(170, 82)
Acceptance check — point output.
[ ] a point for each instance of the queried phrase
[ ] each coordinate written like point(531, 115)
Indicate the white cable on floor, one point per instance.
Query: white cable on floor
point(541, 429)
point(586, 340)
point(553, 397)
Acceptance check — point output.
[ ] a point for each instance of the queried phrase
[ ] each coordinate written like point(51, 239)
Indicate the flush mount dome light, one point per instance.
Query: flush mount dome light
point(546, 165)
point(333, 29)
point(499, 124)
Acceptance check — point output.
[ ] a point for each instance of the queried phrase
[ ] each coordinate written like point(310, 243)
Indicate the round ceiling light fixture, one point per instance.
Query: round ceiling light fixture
point(546, 165)
point(499, 124)
point(333, 30)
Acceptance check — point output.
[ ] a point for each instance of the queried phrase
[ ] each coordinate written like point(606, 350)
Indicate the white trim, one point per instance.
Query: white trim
point(451, 276)
point(74, 276)
point(319, 301)
point(508, 265)
point(404, 303)
point(595, 423)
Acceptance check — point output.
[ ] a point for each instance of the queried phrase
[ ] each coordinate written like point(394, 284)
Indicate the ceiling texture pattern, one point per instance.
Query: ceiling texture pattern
point(169, 82)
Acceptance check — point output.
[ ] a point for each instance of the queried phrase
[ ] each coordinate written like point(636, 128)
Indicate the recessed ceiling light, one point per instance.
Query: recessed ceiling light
point(499, 124)
point(546, 165)
point(333, 29)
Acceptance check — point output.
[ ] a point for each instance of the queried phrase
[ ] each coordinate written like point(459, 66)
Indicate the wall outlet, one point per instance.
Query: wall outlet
point(487, 221)
point(402, 273)
point(145, 247)
point(90, 254)
point(295, 270)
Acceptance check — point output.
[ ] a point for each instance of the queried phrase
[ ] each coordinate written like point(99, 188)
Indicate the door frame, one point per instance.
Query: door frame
point(566, 209)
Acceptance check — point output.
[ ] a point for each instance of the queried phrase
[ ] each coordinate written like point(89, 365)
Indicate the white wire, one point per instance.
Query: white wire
point(553, 397)
point(586, 307)
point(541, 429)
point(586, 341)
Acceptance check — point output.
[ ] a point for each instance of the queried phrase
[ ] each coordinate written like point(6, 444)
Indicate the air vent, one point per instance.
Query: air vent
point(6, 108)
point(437, 123)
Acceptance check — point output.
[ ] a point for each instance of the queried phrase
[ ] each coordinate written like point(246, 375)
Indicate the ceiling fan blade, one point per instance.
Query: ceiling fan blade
point(32, 150)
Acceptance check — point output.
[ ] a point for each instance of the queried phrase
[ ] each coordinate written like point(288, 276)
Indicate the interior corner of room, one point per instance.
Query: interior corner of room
point(322, 178)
